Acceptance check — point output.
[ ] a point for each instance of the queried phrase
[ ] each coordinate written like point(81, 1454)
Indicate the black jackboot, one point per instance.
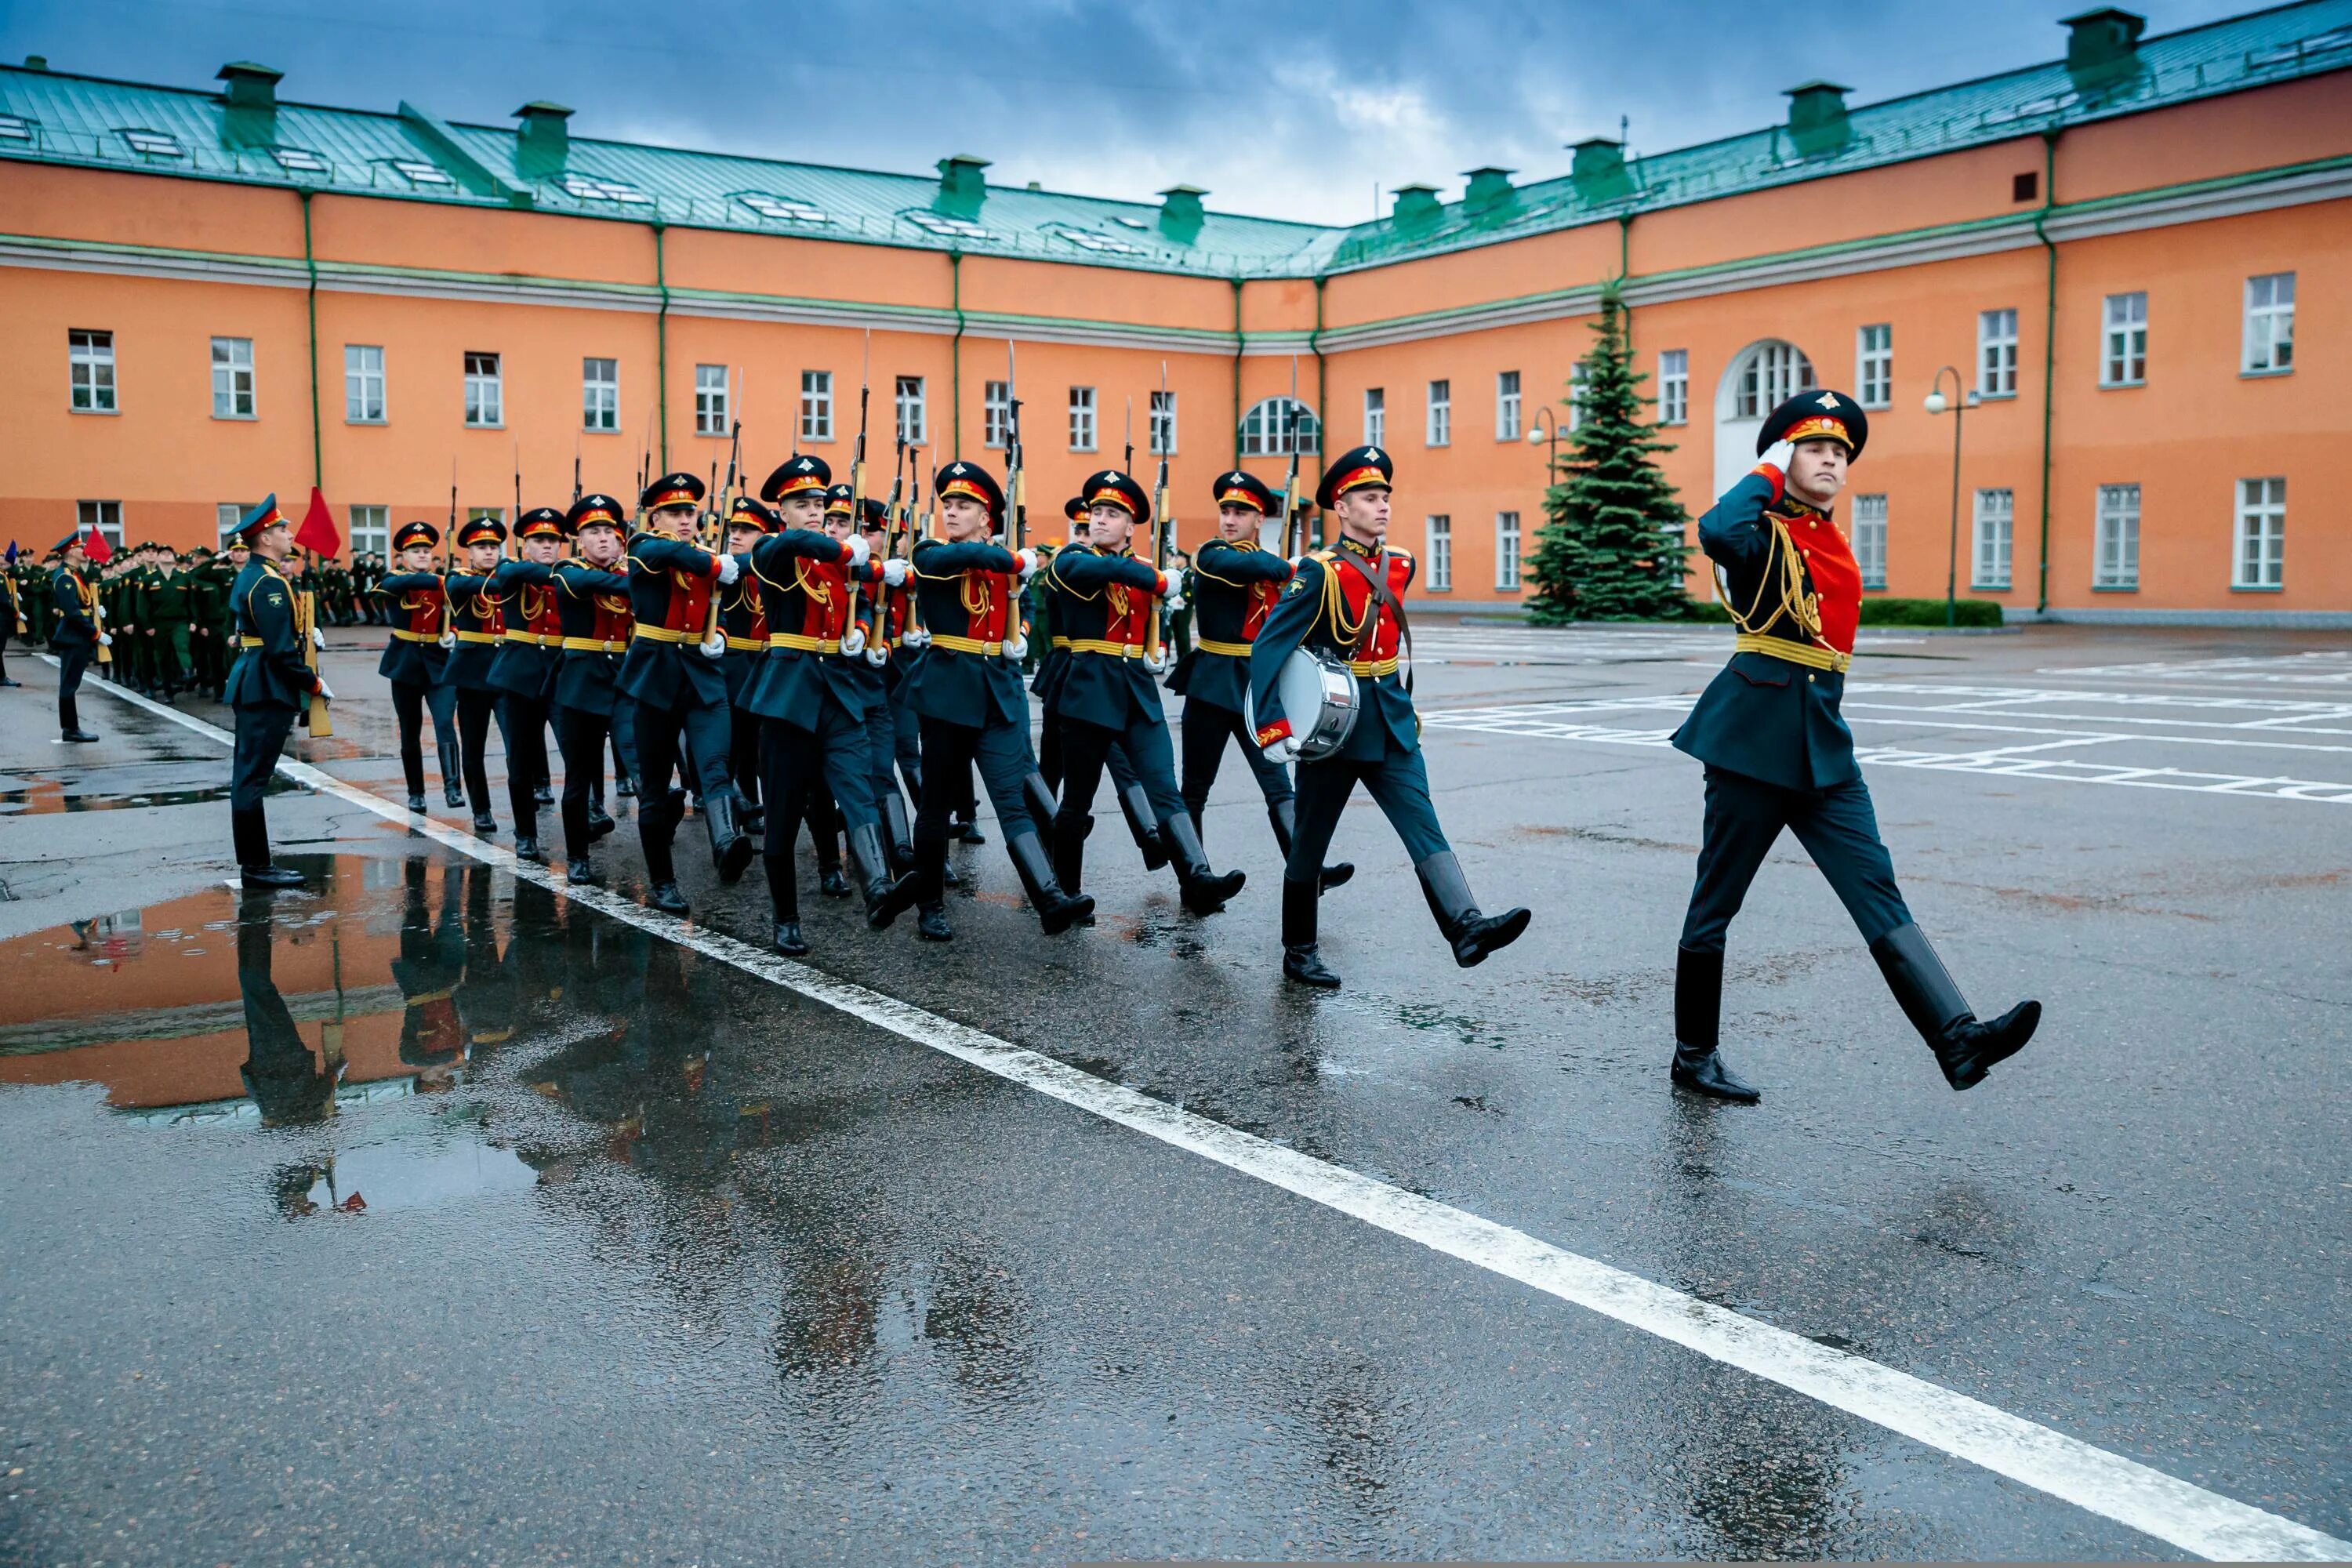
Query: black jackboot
point(829, 879)
point(1473, 935)
point(453, 780)
point(1070, 852)
point(730, 847)
point(580, 870)
point(1284, 815)
point(872, 863)
point(1698, 1012)
point(1057, 909)
point(899, 833)
point(249, 830)
point(1965, 1048)
point(929, 883)
point(657, 823)
point(1043, 807)
point(1301, 961)
point(1135, 805)
point(1205, 890)
point(785, 898)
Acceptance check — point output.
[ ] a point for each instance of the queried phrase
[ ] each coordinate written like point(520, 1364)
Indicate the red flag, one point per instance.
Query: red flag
point(318, 533)
point(95, 547)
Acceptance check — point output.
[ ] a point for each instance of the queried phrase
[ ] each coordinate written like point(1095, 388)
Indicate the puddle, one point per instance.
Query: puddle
point(117, 787)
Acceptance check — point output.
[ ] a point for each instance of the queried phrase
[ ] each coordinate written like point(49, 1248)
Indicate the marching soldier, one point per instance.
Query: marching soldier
point(416, 653)
point(267, 686)
point(1779, 753)
point(968, 695)
point(1235, 584)
point(1054, 672)
point(1345, 602)
point(1108, 698)
point(744, 617)
point(477, 624)
point(77, 632)
point(889, 734)
point(524, 668)
point(592, 594)
point(672, 676)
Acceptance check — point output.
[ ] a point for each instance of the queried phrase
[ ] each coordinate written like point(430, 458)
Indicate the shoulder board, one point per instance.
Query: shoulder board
point(1326, 556)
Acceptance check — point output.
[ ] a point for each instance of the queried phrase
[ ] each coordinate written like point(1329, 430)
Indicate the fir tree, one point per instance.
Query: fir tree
point(1612, 546)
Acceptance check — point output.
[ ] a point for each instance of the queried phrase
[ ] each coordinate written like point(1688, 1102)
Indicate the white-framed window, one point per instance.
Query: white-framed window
point(995, 413)
point(2114, 551)
point(370, 530)
point(232, 378)
point(476, 513)
point(1164, 424)
point(1376, 416)
point(1870, 539)
point(1507, 406)
point(2123, 357)
point(1082, 419)
point(1873, 364)
point(1771, 375)
point(600, 394)
point(227, 514)
point(2259, 559)
point(1439, 431)
point(1439, 577)
point(2269, 324)
point(1997, 353)
point(1507, 550)
point(914, 420)
point(1673, 387)
point(362, 383)
point(711, 399)
point(816, 406)
point(1996, 512)
point(1576, 374)
point(106, 516)
point(89, 369)
point(486, 398)
point(1275, 425)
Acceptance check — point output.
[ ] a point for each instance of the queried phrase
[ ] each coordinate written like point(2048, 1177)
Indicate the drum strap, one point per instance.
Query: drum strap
point(1378, 582)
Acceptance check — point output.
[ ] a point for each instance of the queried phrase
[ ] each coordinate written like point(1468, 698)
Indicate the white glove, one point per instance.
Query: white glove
point(1016, 646)
point(1174, 592)
point(729, 570)
point(1283, 751)
point(106, 639)
point(917, 637)
point(858, 550)
point(878, 655)
point(324, 691)
point(852, 641)
point(318, 639)
point(894, 571)
point(1780, 454)
point(1175, 602)
point(716, 643)
point(1028, 562)
point(449, 638)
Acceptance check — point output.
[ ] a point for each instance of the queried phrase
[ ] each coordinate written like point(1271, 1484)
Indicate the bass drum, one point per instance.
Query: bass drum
point(1321, 700)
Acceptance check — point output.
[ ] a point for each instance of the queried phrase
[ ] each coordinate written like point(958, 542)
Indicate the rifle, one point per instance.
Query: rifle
point(1290, 481)
point(1127, 463)
point(857, 493)
point(913, 528)
point(1018, 523)
point(575, 467)
point(879, 649)
point(449, 539)
point(514, 529)
point(1155, 652)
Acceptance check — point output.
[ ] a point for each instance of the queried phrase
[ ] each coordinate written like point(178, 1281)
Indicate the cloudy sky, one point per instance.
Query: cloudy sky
point(1282, 109)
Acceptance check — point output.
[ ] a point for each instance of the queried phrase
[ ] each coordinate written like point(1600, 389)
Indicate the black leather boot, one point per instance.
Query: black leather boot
point(453, 778)
point(898, 834)
point(1473, 935)
point(1057, 909)
point(529, 849)
point(1070, 852)
point(1284, 815)
point(656, 834)
point(543, 794)
point(930, 900)
point(581, 871)
point(1301, 960)
point(1698, 1013)
point(1205, 890)
point(1965, 1048)
point(1151, 837)
point(624, 787)
point(730, 848)
point(417, 803)
point(249, 829)
point(784, 898)
point(829, 879)
point(872, 862)
point(600, 821)
point(485, 823)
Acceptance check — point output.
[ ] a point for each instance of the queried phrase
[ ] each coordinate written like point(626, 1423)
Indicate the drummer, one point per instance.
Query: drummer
point(1346, 604)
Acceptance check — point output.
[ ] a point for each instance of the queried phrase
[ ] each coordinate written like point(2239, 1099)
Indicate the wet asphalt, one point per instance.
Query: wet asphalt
point(521, 1235)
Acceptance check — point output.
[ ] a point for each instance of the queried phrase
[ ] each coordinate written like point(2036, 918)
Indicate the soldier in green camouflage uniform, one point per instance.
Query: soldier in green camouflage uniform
point(171, 613)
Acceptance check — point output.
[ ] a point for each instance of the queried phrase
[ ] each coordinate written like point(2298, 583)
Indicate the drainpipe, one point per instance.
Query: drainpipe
point(311, 266)
point(1322, 392)
point(2049, 349)
point(955, 299)
point(1237, 370)
point(661, 341)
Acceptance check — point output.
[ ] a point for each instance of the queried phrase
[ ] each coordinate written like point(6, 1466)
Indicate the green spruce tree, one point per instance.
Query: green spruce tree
point(1612, 546)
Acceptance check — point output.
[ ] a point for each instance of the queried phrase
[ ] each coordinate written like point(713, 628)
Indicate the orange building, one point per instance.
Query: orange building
point(2136, 263)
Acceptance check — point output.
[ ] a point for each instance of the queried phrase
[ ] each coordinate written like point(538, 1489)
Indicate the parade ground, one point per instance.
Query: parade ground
point(1114, 1245)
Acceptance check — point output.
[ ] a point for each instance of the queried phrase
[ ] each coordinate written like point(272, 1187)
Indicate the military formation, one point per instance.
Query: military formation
point(802, 655)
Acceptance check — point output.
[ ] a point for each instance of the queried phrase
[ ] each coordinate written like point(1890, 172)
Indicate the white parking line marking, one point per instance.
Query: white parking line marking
point(2130, 1493)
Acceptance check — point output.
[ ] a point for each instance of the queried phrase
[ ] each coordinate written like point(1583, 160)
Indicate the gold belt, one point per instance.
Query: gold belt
point(802, 643)
point(251, 642)
point(1230, 649)
point(415, 636)
point(663, 634)
point(477, 636)
point(1375, 667)
point(594, 644)
point(531, 640)
point(747, 644)
point(1110, 649)
point(1806, 654)
point(966, 644)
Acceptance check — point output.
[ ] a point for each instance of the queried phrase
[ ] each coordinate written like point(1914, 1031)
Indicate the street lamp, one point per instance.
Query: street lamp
point(1544, 430)
point(1935, 403)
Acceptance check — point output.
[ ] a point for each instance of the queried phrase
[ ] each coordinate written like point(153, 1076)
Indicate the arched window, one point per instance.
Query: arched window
point(1279, 427)
point(1775, 373)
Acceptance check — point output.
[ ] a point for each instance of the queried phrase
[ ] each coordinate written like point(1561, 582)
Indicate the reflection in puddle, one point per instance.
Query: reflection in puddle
point(119, 787)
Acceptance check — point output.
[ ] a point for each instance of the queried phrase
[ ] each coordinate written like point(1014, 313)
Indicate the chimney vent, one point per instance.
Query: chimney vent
point(962, 186)
point(249, 86)
point(2102, 41)
point(1489, 187)
point(1415, 203)
point(1180, 207)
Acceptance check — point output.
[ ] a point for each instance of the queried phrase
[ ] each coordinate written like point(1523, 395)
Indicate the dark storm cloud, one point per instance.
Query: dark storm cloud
point(1282, 109)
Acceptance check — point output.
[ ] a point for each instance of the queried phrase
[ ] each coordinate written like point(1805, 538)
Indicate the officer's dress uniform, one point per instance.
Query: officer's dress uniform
point(530, 650)
point(1329, 607)
point(894, 732)
point(743, 620)
point(679, 691)
point(1233, 586)
point(1779, 755)
point(267, 688)
point(477, 624)
point(1063, 607)
point(414, 656)
point(76, 633)
point(593, 607)
point(968, 696)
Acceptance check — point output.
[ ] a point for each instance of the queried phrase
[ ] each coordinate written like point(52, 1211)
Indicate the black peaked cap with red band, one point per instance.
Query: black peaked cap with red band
point(596, 508)
point(963, 479)
point(409, 535)
point(1243, 489)
point(1354, 469)
point(1818, 415)
point(799, 472)
point(1111, 487)
point(672, 489)
point(745, 512)
point(480, 530)
point(539, 522)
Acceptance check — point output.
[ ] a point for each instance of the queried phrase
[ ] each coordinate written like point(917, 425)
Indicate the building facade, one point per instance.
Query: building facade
point(2129, 271)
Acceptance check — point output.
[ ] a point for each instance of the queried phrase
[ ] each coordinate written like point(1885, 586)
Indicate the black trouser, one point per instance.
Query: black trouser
point(1086, 748)
point(747, 754)
point(791, 762)
point(1399, 784)
point(660, 731)
point(71, 662)
point(261, 731)
point(475, 710)
point(580, 735)
point(408, 706)
point(523, 720)
point(950, 750)
point(1838, 829)
point(624, 737)
point(1206, 728)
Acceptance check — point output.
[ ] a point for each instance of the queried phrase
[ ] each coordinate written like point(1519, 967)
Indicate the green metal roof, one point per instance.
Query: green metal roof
point(54, 117)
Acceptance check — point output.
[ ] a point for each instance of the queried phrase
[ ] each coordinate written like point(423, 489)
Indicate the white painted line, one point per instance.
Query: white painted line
point(2130, 1493)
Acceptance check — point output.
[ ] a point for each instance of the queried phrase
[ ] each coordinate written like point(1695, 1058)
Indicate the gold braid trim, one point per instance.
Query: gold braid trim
point(1800, 609)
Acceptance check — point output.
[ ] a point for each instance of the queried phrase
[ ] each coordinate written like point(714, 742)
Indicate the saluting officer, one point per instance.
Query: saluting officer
point(592, 598)
point(968, 695)
point(672, 676)
point(77, 632)
point(1110, 698)
point(477, 624)
point(1779, 753)
point(1234, 584)
point(267, 687)
point(1347, 603)
point(530, 651)
point(416, 653)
